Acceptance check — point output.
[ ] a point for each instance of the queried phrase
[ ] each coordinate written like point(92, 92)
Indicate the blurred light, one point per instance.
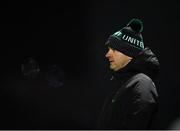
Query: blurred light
point(30, 68)
point(55, 76)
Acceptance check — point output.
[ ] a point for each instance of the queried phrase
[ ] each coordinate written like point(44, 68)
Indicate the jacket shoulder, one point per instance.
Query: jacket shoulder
point(143, 86)
point(140, 79)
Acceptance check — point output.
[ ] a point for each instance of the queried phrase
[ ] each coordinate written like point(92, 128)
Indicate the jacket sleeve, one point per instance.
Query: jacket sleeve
point(138, 105)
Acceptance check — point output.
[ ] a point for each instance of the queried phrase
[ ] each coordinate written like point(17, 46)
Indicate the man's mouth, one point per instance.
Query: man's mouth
point(111, 61)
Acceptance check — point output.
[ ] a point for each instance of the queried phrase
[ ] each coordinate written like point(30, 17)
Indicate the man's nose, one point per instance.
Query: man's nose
point(108, 54)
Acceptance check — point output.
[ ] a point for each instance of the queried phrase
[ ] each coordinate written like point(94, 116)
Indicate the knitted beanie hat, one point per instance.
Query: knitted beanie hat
point(128, 40)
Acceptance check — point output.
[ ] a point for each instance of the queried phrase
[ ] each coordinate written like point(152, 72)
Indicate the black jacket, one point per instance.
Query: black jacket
point(133, 102)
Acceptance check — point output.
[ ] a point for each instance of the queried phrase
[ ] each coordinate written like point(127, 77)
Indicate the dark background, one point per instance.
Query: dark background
point(71, 34)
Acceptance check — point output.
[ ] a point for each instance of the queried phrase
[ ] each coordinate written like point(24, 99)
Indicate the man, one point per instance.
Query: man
point(133, 103)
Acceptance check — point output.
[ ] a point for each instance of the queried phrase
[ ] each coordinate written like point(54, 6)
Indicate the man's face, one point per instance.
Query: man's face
point(117, 59)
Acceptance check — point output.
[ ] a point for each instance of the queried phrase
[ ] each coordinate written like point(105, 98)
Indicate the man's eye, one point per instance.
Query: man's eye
point(112, 49)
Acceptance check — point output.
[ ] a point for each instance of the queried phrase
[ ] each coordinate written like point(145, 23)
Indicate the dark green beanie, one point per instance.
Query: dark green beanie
point(129, 39)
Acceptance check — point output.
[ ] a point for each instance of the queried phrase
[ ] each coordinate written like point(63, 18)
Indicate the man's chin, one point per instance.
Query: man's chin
point(113, 68)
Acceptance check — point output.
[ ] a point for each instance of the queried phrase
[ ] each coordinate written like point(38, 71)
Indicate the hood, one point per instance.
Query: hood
point(146, 62)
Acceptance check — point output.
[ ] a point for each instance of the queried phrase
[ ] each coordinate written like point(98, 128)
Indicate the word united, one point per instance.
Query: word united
point(130, 39)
